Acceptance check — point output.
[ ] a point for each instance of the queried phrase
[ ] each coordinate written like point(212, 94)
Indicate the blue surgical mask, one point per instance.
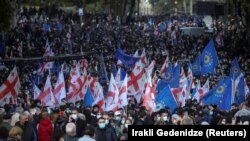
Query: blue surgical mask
point(102, 125)
point(211, 113)
point(106, 121)
point(123, 121)
point(118, 118)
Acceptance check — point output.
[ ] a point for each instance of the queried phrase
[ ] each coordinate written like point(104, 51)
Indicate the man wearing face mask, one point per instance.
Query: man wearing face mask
point(80, 124)
point(29, 133)
point(125, 128)
point(103, 132)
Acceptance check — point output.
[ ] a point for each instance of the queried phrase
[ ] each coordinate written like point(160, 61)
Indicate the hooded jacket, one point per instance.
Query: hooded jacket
point(44, 130)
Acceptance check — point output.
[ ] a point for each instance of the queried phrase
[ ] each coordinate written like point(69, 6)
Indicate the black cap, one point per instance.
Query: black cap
point(111, 113)
point(235, 104)
point(96, 106)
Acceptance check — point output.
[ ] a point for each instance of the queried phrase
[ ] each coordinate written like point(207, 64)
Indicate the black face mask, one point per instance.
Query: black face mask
point(87, 112)
point(95, 111)
point(26, 123)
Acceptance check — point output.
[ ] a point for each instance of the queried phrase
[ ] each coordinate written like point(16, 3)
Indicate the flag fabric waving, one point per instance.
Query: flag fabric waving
point(235, 69)
point(123, 93)
point(221, 94)
point(112, 96)
point(209, 59)
point(88, 99)
point(9, 89)
point(127, 60)
point(166, 98)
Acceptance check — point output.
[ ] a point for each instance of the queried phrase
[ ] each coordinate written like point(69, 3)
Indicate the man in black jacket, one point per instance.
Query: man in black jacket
point(104, 132)
point(80, 124)
point(29, 132)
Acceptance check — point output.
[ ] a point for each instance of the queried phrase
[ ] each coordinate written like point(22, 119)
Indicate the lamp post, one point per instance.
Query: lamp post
point(176, 2)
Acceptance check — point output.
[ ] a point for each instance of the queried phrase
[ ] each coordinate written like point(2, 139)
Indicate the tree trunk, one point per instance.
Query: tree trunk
point(131, 11)
point(123, 7)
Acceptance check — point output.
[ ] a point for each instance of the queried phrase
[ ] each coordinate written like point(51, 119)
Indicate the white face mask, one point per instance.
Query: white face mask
point(98, 116)
point(165, 118)
point(74, 116)
point(126, 125)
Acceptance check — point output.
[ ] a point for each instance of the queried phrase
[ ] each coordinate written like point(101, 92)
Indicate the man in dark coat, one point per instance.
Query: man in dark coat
point(80, 124)
point(103, 132)
point(29, 132)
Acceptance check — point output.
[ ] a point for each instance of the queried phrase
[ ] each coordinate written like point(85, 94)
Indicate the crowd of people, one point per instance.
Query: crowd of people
point(104, 34)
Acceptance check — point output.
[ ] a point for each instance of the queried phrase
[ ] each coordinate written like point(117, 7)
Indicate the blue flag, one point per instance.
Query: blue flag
point(196, 67)
point(221, 94)
point(209, 58)
point(114, 69)
point(150, 22)
point(161, 85)
point(162, 27)
point(196, 21)
point(59, 27)
point(176, 77)
point(88, 99)
point(168, 22)
point(166, 98)
point(240, 95)
point(167, 79)
point(127, 60)
point(46, 27)
point(168, 76)
point(195, 90)
point(171, 78)
point(122, 74)
point(235, 69)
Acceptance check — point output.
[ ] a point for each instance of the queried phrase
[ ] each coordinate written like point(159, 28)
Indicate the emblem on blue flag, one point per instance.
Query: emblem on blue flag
point(208, 59)
point(220, 90)
point(168, 76)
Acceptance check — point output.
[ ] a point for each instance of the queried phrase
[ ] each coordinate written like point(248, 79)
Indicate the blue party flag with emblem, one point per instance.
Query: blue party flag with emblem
point(209, 59)
point(161, 85)
point(166, 80)
point(241, 91)
point(88, 99)
point(127, 60)
point(166, 98)
point(235, 69)
point(168, 76)
point(196, 67)
point(221, 94)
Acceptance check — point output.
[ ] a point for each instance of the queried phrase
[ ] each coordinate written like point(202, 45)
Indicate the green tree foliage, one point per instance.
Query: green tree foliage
point(161, 7)
point(5, 15)
point(246, 13)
